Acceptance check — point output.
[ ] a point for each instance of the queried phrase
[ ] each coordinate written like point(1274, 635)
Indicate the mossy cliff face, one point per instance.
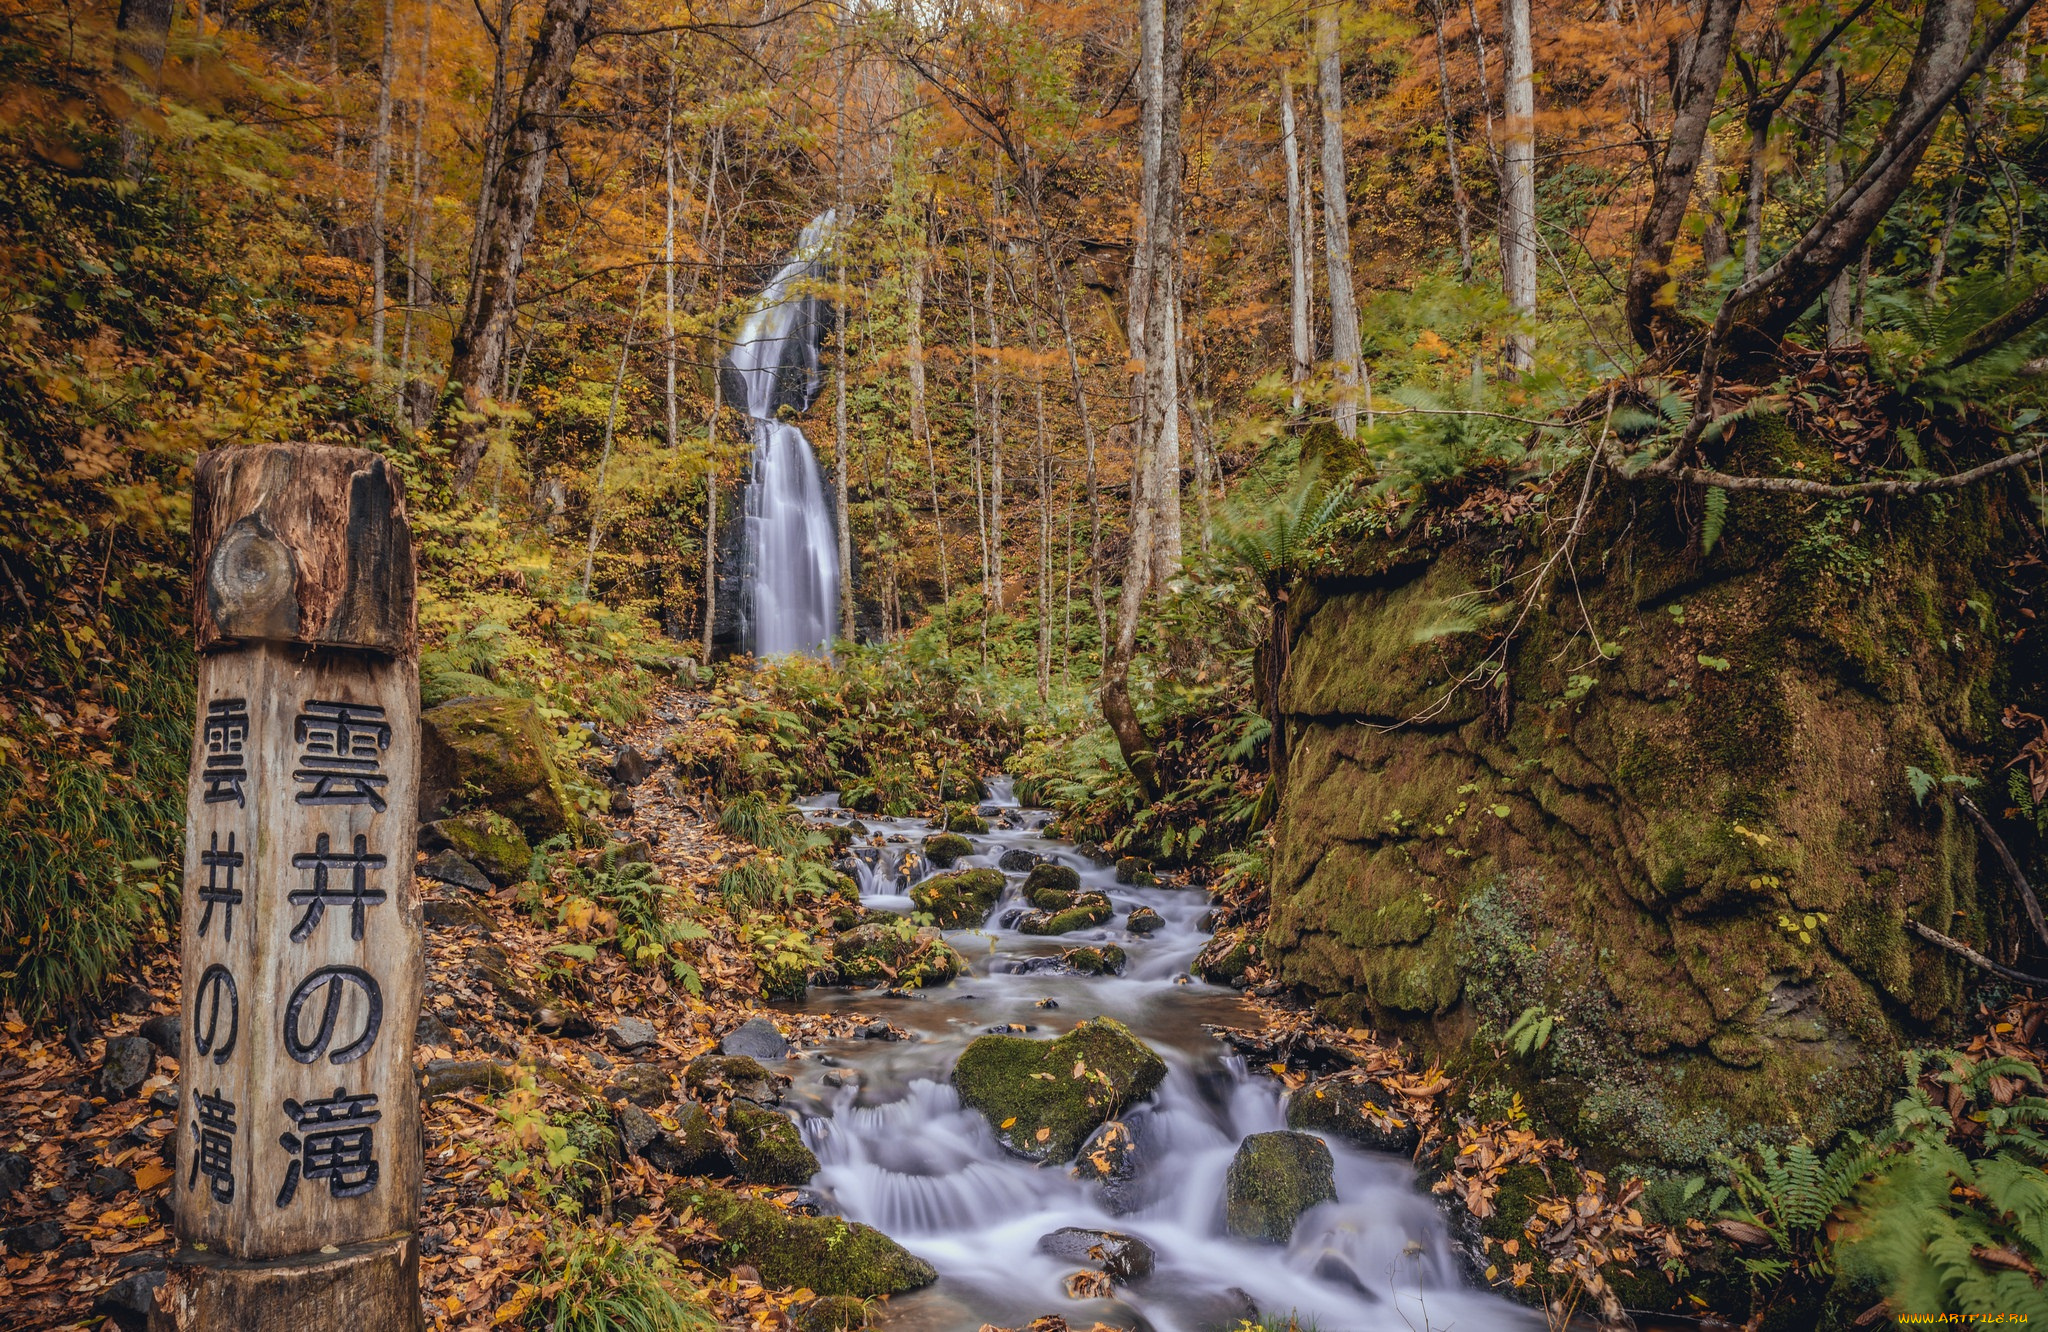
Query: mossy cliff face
point(1630, 831)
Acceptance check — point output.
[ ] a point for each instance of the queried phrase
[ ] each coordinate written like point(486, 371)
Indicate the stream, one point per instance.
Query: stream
point(899, 1152)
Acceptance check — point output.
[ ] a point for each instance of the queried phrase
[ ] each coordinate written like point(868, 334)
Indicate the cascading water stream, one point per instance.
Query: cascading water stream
point(899, 1151)
point(790, 574)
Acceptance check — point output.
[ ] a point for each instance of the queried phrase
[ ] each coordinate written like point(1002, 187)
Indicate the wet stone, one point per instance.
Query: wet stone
point(163, 1030)
point(1123, 1257)
point(36, 1237)
point(1144, 920)
point(755, 1038)
point(449, 867)
point(1017, 860)
point(128, 1063)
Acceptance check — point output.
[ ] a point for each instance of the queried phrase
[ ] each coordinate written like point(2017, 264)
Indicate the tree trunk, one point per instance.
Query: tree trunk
point(920, 423)
point(1163, 310)
point(417, 208)
point(1650, 300)
point(144, 28)
point(1518, 186)
point(1346, 360)
point(604, 458)
point(1161, 22)
point(380, 184)
point(1943, 62)
point(668, 242)
point(478, 351)
point(1059, 288)
point(1459, 203)
point(1833, 105)
point(711, 427)
point(995, 419)
point(1299, 276)
point(842, 223)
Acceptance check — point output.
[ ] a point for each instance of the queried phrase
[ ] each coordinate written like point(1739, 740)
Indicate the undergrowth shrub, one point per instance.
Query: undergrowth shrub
point(592, 1280)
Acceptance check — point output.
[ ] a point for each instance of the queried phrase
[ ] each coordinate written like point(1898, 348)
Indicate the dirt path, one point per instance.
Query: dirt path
point(517, 1036)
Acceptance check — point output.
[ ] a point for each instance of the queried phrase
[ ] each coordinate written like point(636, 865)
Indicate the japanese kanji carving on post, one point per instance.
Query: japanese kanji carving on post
point(300, 1133)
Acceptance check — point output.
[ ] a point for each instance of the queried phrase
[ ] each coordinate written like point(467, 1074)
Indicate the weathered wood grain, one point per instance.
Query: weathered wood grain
point(268, 965)
point(364, 1288)
point(302, 543)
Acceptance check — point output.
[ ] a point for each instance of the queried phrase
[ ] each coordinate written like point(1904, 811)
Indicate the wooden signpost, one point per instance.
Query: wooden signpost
point(298, 1181)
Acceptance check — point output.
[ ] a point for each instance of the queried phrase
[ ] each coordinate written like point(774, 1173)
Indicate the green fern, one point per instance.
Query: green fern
point(1287, 537)
point(1531, 1031)
point(1716, 515)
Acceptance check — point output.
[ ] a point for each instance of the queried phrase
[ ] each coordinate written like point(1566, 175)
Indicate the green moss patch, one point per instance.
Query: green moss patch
point(1045, 1097)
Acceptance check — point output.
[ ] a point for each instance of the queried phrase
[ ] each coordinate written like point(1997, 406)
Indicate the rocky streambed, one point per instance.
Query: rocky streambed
point(1053, 1130)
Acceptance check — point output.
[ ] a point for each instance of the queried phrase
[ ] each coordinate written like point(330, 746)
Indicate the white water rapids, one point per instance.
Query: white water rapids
point(791, 572)
point(900, 1152)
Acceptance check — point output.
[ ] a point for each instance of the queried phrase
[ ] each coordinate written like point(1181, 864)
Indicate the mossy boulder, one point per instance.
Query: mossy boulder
point(959, 900)
point(1225, 958)
point(824, 1254)
point(1136, 871)
point(945, 849)
point(1096, 960)
point(1045, 1097)
point(737, 1076)
point(1088, 910)
point(965, 820)
point(500, 756)
point(1273, 1179)
point(771, 1149)
point(491, 842)
point(692, 1147)
point(1617, 842)
point(1144, 920)
point(833, 1313)
point(1051, 887)
point(890, 950)
point(1352, 1108)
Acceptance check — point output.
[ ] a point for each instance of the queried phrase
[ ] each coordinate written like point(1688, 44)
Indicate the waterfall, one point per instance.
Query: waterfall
point(790, 557)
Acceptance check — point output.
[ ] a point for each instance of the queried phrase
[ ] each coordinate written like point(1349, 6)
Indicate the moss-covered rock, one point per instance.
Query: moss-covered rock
point(1273, 1179)
point(1096, 960)
point(1050, 886)
point(961, 899)
point(833, 1313)
point(489, 841)
point(692, 1147)
point(736, 1076)
point(1225, 958)
point(1351, 1107)
point(1144, 920)
point(1087, 910)
point(945, 849)
point(965, 820)
point(502, 758)
point(1045, 1097)
point(771, 1149)
point(1616, 843)
point(890, 950)
point(825, 1254)
point(1135, 870)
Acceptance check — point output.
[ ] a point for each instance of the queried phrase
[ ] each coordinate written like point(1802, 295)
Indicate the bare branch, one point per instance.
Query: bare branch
point(1963, 950)
point(1791, 485)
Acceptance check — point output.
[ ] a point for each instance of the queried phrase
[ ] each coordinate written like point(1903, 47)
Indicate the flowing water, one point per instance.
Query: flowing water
point(791, 553)
point(900, 1152)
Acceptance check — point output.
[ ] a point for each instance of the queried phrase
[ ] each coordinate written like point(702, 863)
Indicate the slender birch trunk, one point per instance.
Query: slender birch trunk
point(841, 224)
point(1831, 99)
point(995, 420)
point(416, 209)
point(380, 185)
point(668, 241)
point(1518, 193)
point(1299, 270)
point(1347, 362)
point(604, 458)
point(1459, 202)
point(920, 423)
